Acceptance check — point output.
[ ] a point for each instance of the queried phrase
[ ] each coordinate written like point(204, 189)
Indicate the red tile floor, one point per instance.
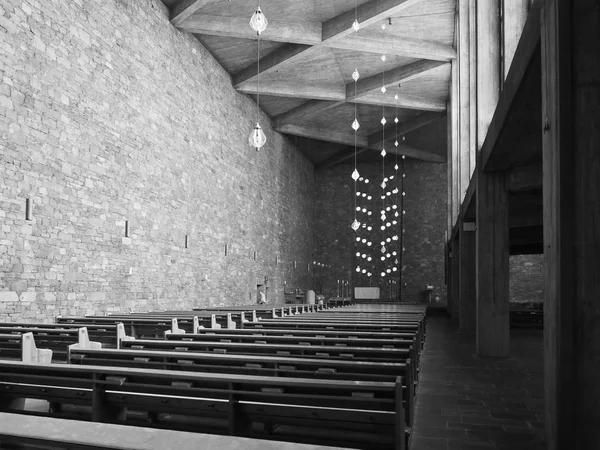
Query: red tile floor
point(466, 402)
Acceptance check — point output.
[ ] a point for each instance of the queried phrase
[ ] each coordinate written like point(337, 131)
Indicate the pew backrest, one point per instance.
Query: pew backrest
point(373, 408)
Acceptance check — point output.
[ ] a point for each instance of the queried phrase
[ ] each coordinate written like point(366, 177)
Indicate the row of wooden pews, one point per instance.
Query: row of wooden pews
point(341, 376)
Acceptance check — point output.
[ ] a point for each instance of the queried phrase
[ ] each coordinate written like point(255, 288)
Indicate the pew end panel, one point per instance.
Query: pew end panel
point(122, 335)
point(31, 354)
point(83, 342)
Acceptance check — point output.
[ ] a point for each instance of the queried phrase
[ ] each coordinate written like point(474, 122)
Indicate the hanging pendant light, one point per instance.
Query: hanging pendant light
point(355, 225)
point(355, 175)
point(257, 137)
point(258, 21)
point(355, 75)
point(355, 125)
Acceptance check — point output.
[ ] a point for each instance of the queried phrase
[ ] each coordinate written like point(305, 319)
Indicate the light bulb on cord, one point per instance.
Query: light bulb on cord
point(257, 137)
point(258, 21)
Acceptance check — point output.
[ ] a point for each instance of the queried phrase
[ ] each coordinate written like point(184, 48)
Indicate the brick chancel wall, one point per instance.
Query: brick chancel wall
point(109, 114)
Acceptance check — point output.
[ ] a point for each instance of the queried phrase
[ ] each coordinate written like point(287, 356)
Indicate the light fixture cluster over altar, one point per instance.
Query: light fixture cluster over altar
point(395, 196)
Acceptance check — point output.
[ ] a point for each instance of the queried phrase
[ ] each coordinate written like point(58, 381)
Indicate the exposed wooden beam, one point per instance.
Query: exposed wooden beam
point(186, 8)
point(392, 77)
point(373, 42)
point(323, 134)
point(308, 33)
point(339, 157)
point(366, 14)
point(405, 127)
point(295, 90)
point(307, 109)
point(287, 54)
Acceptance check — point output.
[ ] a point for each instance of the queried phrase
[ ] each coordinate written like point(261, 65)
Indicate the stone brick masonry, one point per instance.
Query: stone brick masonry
point(425, 206)
point(109, 114)
point(527, 278)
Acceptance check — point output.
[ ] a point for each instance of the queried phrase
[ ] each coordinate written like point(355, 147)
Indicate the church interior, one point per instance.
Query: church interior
point(300, 224)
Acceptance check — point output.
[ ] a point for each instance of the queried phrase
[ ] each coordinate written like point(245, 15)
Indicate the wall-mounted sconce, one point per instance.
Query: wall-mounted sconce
point(187, 241)
point(127, 228)
point(226, 249)
point(254, 256)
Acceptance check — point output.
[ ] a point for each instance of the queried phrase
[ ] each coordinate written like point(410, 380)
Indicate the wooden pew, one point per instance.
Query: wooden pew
point(341, 326)
point(109, 335)
point(57, 340)
point(332, 369)
point(20, 431)
point(22, 347)
point(526, 318)
point(186, 321)
point(137, 327)
point(357, 335)
point(398, 320)
point(365, 415)
point(208, 336)
point(300, 351)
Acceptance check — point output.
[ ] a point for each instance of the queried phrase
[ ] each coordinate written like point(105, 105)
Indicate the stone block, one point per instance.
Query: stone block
point(8, 296)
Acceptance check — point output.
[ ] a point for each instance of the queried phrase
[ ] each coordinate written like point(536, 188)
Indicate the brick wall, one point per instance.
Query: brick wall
point(526, 278)
point(424, 224)
point(109, 114)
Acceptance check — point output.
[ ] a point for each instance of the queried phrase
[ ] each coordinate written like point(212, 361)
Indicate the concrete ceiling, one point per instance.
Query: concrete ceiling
point(308, 53)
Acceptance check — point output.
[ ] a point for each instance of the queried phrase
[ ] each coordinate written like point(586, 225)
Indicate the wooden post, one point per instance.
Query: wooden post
point(467, 289)
point(488, 65)
point(493, 334)
point(571, 168)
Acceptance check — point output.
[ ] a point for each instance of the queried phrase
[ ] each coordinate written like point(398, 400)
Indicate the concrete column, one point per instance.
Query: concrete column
point(488, 64)
point(493, 333)
point(455, 279)
point(463, 94)
point(571, 161)
point(515, 15)
point(467, 288)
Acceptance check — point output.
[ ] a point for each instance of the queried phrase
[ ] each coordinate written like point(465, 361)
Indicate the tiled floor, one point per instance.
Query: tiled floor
point(465, 402)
